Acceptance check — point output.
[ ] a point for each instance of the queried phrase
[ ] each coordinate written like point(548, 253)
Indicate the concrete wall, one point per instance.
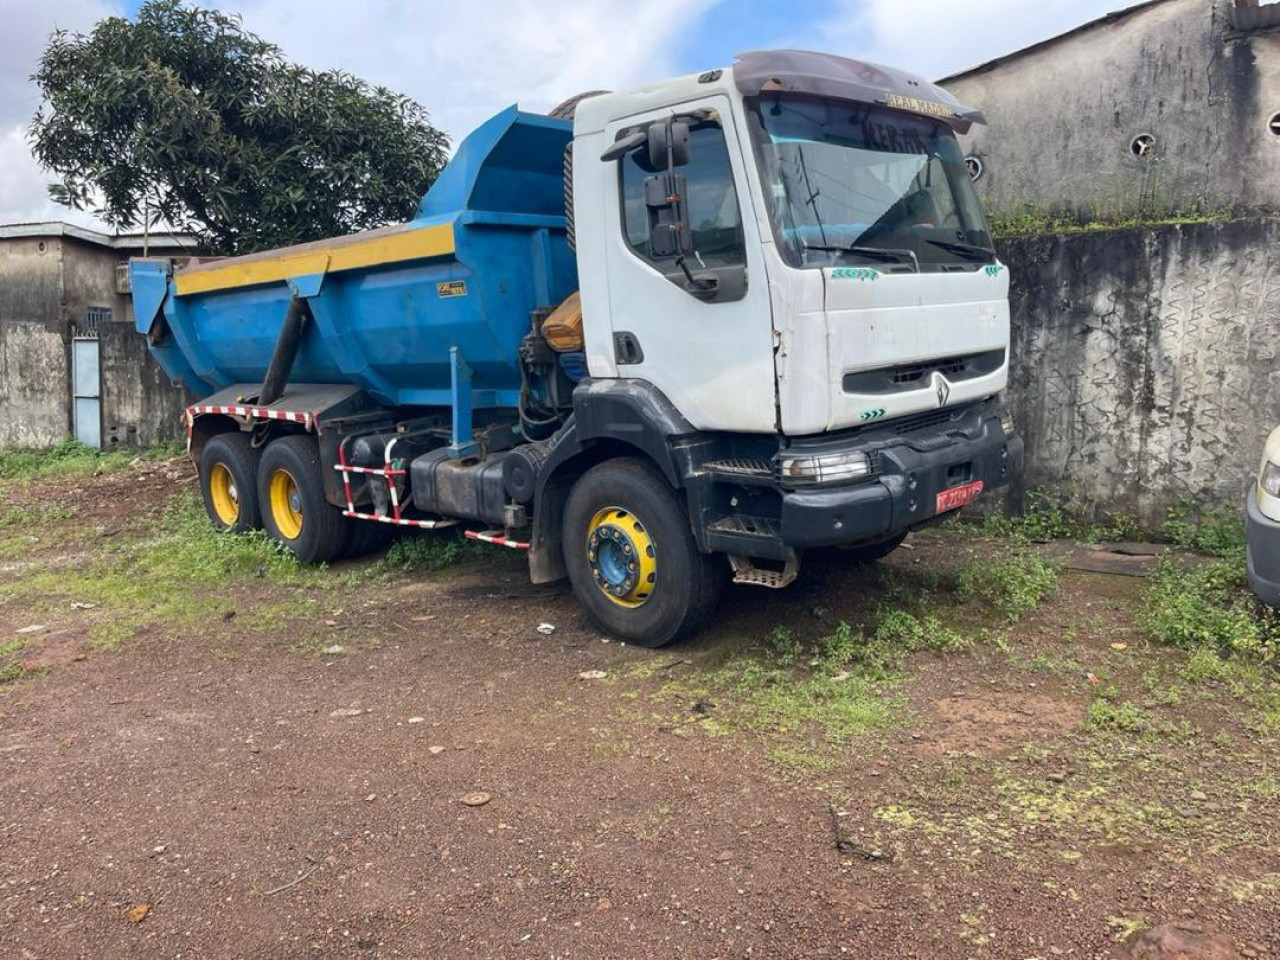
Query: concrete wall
point(47, 288)
point(34, 389)
point(89, 280)
point(31, 280)
point(139, 405)
point(1062, 117)
point(1144, 361)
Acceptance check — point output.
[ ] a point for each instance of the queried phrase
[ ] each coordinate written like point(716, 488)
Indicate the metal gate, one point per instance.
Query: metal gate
point(86, 391)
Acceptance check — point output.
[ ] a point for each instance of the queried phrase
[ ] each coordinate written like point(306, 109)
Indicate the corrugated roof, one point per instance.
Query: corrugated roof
point(118, 241)
point(1103, 20)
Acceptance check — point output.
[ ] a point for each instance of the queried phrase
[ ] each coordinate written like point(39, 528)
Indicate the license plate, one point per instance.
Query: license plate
point(958, 497)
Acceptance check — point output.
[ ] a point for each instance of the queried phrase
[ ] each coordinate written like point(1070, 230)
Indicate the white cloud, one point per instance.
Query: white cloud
point(465, 61)
point(26, 28)
point(935, 38)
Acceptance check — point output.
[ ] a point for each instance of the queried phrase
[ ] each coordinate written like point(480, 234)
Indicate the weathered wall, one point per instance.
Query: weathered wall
point(34, 391)
point(89, 280)
point(31, 280)
point(47, 287)
point(1144, 361)
point(140, 407)
point(1062, 117)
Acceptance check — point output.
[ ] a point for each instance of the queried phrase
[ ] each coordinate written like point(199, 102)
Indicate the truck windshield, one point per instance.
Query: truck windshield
point(856, 183)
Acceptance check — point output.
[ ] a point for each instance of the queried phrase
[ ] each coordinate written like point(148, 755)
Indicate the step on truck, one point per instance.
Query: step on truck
point(657, 339)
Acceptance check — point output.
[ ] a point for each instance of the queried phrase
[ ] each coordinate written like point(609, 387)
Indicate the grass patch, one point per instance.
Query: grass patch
point(1208, 605)
point(10, 664)
point(33, 516)
point(804, 697)
point(1217, 531)
point(72, 458)
point(428, 550)
point(1205, 665)
point(179, 572)
point(1048, 516)
point(1107, 717)
point(1015, 585)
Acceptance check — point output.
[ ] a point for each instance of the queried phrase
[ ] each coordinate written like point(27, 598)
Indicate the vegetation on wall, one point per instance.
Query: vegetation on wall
point(1032, 220)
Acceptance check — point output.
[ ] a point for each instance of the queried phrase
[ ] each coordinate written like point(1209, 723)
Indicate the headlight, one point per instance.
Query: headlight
point(826, 468)
point(1006, 424)
point(1270, 479)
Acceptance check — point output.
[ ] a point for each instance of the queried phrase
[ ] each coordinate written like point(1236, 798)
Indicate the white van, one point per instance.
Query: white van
point(1262, 511)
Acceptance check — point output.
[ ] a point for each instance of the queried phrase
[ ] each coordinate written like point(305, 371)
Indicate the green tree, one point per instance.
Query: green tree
point(183, 116)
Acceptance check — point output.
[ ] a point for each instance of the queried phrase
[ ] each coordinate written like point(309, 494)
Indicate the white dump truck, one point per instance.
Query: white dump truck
point(658, 339)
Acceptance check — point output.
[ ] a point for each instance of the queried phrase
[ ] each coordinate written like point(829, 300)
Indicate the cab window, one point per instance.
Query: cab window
point(713, 214)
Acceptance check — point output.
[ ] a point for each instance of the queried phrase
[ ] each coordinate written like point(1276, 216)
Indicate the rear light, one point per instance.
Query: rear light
point(1006, 424)
point(822, 468)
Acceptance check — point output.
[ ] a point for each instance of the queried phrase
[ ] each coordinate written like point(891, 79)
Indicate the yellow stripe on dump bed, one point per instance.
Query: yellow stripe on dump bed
point(391, 245)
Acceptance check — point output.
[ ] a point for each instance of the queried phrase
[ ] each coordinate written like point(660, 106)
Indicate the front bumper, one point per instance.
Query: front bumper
point(1263, 556)
point(912, 469)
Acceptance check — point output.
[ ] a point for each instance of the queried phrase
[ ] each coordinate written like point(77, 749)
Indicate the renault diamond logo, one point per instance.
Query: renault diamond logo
point(942, 389)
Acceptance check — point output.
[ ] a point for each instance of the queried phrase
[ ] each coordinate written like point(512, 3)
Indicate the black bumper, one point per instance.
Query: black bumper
point(911, 471)
point(1264, 552)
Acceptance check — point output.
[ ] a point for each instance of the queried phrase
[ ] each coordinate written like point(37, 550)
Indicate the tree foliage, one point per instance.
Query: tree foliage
point(185, 117)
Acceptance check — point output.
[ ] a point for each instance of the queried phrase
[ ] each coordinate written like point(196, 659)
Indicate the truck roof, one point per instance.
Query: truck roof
point(786, 71)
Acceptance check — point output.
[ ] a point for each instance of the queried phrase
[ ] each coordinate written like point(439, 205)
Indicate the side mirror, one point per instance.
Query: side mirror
point(670, 138)
point(668, 240)
point(664, 196)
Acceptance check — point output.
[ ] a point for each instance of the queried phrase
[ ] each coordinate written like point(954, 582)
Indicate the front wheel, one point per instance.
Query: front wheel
point(294, 508)
point(632, 558)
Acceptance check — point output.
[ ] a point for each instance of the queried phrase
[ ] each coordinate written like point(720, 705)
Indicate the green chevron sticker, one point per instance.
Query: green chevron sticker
point(872, 414)
point(855, 273)
point(994, 270)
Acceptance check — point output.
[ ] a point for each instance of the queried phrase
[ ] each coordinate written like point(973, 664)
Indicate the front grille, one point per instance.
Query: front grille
point(930, 420)
point(902, 376)
point(916, 376)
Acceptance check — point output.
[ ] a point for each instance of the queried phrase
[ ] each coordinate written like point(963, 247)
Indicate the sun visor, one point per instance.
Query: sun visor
point(824, 75)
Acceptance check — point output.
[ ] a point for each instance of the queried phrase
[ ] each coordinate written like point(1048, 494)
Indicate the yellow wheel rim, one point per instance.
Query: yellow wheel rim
point(622, 556)
point(286, 504)
point(224, 494)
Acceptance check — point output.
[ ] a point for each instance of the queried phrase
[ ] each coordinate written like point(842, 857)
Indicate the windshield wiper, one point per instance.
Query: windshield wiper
point(971, 250)
point(883, 254)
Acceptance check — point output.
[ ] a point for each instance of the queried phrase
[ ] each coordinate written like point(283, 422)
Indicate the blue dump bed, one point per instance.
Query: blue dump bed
point(487, 247)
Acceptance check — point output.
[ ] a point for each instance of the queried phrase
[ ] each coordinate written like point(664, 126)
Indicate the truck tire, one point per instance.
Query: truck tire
point(367, 536)
point(229, 482)
point(294, 509)
point(631, 556)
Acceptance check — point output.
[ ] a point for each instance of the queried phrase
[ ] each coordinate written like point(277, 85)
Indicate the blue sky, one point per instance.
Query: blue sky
point(466, 59)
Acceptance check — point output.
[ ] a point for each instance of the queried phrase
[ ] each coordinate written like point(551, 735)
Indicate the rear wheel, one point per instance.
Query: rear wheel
point(294, 508)
point(632, 558)
point(228, 482)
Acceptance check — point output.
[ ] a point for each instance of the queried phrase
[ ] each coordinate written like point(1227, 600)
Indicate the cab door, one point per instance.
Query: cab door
point(711, 354)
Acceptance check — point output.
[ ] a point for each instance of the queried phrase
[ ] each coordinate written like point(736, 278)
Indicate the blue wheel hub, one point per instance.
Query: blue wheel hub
point(612, 556)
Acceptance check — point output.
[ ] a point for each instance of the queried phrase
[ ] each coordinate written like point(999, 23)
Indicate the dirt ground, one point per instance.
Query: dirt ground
point(249, 761)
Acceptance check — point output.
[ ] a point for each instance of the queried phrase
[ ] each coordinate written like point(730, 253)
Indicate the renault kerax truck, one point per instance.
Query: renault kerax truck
point(659, 339)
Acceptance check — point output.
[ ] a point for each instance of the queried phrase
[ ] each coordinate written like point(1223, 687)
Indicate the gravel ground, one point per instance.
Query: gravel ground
point(223, 787)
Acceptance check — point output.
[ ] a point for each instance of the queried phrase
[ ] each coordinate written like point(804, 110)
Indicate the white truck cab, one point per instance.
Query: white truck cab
point(856, 280)
point(1262, 517)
